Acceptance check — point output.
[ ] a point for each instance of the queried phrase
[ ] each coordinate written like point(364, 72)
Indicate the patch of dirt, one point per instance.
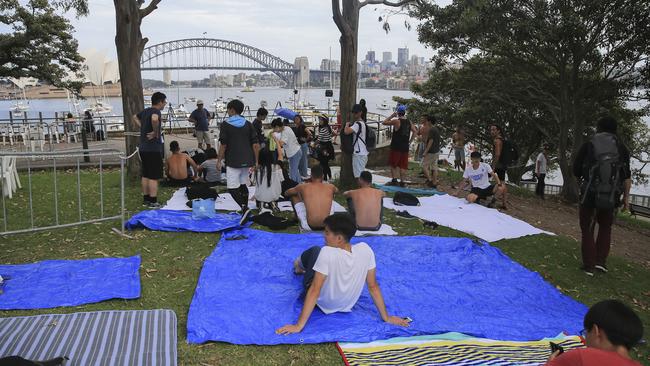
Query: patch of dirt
point(552, 215)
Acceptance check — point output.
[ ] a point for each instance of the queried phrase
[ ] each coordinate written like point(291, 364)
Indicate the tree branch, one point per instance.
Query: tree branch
point(341, 24)
point(153, 5)
point(385, 2)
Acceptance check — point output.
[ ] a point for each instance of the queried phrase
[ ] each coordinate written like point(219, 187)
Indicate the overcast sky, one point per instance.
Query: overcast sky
point(285, 28)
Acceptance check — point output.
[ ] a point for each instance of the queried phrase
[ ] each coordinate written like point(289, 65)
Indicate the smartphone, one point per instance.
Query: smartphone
point(408, 319)
point(556, 347)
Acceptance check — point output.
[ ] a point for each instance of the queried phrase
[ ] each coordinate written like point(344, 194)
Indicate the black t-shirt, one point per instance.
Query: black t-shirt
point(239, 144)
point(402, 136)
point(155, 144)
point(434, 135)
point(301, 133)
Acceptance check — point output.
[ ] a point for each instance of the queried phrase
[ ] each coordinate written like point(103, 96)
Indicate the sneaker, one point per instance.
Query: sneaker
point(392, 183)
point(405, 215)
point(402, 184)
point(601, 267)
point(430, 224)
point(145, 203)
point(588, 271)
point(244, 216)
point(154, 205)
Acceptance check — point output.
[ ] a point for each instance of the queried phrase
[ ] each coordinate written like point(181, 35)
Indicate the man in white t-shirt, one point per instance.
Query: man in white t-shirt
point(358, 130)
point(334, 275)
point(478, 175)
point(541, 164)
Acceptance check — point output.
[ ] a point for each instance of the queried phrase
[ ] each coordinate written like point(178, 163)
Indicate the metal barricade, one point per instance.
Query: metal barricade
point(59, 160)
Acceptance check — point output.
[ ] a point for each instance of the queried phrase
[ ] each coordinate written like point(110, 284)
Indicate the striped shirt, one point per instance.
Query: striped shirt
point(324, 133)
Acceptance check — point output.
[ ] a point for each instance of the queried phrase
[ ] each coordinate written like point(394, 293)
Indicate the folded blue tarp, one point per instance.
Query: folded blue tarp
point(286, 113)
point(169, 220)
point(417, 191)
point(54, 283)
point(247, 289)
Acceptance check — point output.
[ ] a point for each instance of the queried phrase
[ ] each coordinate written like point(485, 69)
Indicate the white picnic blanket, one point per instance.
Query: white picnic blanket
point(385, 229)
point(486, 223)
point(224, 202)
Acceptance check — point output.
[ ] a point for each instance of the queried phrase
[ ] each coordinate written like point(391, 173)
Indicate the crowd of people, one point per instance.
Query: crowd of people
point(277, 161)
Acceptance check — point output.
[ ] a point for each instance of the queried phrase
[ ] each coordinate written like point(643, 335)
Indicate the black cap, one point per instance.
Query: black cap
point(357, 108)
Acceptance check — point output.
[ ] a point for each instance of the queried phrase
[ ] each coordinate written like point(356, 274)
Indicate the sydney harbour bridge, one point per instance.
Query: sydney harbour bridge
point(220, 54)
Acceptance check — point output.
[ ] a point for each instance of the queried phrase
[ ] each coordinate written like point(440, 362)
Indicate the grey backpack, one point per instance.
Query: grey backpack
point(604, 182)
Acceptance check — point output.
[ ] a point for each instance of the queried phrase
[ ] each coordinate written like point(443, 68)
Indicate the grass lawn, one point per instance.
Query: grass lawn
point(171, 263)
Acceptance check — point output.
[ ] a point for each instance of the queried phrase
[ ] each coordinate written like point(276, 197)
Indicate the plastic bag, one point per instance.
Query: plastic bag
point(203, 209)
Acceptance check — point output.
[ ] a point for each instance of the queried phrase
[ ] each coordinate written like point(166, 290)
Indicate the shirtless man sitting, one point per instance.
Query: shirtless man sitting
point(312, 201)
point(176, 167)
point(365, 204)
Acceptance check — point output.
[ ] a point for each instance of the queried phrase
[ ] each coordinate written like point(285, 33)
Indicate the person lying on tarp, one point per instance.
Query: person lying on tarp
point(611, 330)
point(334, 275)
point(366, 204)
point(312, 201)
point(478, 175)
point(177, 167)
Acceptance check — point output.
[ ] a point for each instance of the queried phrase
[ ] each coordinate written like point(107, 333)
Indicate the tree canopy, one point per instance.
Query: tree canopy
point(40, 43)
point(558, 63)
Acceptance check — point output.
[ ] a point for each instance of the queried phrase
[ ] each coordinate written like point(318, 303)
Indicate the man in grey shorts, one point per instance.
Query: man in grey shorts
point(201, 119)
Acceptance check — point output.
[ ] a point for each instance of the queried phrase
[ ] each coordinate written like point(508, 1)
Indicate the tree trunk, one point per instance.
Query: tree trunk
point(129, 43)
point(348, 89)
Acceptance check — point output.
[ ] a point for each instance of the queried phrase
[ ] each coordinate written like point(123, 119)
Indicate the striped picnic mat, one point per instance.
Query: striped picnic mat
point(452, 349)
point(132, 337)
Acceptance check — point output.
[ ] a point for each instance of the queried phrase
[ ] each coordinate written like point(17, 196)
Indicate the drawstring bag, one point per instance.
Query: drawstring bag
point(203, 209)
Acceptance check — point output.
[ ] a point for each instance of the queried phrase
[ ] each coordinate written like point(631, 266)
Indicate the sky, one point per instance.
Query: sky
point(285, 28)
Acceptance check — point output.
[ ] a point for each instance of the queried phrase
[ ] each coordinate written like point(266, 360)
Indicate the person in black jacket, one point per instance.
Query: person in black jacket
point(595, 252)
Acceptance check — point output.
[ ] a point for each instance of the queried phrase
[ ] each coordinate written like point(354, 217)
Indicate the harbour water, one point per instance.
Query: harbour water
point(375, 100)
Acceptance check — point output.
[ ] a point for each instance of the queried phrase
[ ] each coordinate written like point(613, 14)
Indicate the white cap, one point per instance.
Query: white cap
point(199, 102)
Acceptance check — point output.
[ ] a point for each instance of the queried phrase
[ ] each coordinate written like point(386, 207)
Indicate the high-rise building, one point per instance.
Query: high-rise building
point(167, 77)
point(302, 64)
point(402, 56)
point(370, 57)
point(386, 57)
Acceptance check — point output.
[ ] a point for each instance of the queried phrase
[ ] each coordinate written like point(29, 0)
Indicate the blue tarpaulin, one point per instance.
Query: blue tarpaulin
point(54, 283)
point(286, 113)
point(169, 220)
point(247, 289)
point(416, 191)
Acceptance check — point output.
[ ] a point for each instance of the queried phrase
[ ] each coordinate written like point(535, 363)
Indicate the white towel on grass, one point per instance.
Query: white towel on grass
point(486, 223)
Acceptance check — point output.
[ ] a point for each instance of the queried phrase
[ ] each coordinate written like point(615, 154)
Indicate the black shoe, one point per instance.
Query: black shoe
point(402, 184)
point(589, 271)
point(154, 205)
point(431, 224)
point(404, 215)
point(244, 216)
point(393, 182)
point(601, 267)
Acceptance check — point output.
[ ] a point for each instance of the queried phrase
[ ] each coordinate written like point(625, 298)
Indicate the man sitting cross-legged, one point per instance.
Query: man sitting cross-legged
point(312, 201)
point(365, 204)
point(478, 175)
point(177, 167)
point(334, 275)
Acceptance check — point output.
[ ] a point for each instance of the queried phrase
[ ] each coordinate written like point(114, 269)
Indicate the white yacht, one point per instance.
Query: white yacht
point(383, 106)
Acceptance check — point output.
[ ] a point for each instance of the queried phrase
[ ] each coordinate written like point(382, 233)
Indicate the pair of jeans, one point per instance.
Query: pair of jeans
point(539, 190)
point(595, 251)
point(304, 159)
point(294, 167)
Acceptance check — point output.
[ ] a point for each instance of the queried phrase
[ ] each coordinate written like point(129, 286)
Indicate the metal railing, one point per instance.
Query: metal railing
point(554, 189)
point(56, 221)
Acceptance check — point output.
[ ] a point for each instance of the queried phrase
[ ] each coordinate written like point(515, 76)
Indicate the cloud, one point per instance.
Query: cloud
point(285, 28)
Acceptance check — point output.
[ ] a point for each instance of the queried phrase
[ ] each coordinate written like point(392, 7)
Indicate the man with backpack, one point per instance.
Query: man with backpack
point(359, 131)
point(403, 134)
point(602, 167)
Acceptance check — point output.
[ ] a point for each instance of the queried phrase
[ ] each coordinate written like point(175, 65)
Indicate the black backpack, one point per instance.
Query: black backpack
point(603, 181)
point(272, 222)
point(509, 153)
point(201, 191)
point(405, 199)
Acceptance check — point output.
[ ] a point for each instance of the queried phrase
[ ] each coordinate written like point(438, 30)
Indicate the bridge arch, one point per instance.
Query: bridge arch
point(264, 60)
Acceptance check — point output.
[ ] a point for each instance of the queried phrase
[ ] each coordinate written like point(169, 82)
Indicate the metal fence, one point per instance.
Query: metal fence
point(8, 184)
point(553, 189)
